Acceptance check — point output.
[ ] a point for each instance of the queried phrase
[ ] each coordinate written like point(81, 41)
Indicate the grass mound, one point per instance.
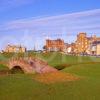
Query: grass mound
point(49, 78)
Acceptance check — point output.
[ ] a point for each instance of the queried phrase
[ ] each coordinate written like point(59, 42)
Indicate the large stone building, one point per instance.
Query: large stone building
point(15, 49)
point(54, 45)
point(59, 45)
point(83, 43)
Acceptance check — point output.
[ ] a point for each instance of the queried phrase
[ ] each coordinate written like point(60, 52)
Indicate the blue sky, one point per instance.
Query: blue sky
point(30, 22)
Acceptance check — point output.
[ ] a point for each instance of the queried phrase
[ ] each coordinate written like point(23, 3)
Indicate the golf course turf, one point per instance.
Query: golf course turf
point(84, 72)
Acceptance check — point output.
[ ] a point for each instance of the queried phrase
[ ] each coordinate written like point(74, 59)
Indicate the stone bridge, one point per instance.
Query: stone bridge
point(30, 65)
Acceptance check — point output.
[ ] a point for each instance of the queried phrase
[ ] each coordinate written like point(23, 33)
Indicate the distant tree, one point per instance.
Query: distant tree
point(44, 47)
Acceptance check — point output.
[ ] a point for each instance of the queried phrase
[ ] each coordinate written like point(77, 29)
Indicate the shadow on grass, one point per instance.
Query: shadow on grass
point(62, 66)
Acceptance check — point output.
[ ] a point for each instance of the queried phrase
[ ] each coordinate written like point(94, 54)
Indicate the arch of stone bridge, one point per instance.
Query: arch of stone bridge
point(17, 69)
point(24, 65)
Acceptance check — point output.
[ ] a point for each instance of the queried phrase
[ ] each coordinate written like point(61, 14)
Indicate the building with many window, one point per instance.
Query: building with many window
point(14, 49)
point(59, 45)
point(54, 45)
point(83, 43)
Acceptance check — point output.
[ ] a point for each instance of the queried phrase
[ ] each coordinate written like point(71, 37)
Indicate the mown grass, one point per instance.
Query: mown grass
point(19, 86)
point(90, 70)
point(24, 87)
point(3, 67)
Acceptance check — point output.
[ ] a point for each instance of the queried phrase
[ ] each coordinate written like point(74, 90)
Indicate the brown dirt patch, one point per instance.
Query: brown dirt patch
point(48, 78)
point(4, 73)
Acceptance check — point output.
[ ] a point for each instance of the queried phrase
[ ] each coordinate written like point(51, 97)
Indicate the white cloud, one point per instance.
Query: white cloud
point(64, 26)
point(67, 22)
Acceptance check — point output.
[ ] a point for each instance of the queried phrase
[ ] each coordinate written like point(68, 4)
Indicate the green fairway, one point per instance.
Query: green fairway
point(86, 70)
point(24, 87)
